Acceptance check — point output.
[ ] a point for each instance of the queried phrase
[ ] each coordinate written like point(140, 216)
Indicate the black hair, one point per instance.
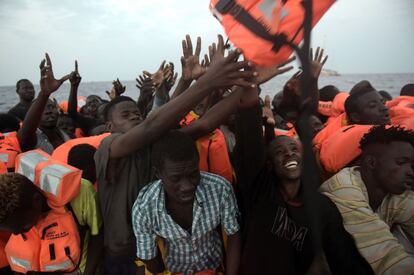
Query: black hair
point(386, 135)
point(362, 87)
point(81, 156)
point(407, 90)
point(385, 95)
point(20, 82)
point(16, 192)
point(8, 123)
point(107, 112)
point(174, 146)
point(328, 93)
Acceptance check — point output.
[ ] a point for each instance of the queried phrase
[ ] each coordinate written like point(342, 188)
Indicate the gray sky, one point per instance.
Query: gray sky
point(120, 38)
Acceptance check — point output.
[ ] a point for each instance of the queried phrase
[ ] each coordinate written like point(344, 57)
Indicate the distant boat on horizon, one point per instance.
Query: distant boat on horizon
point(327, 72)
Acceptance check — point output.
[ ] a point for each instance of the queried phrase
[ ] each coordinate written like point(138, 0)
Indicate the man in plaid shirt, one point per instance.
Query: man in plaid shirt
point(185, 208)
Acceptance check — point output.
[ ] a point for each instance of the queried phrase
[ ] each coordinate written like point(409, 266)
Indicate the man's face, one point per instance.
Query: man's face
point(394, 167)
point(286, 158)
point(372, 110)
point(92, 104)
point(50, 115)
point(26, 91)
point(180, 180)
point(125, 115)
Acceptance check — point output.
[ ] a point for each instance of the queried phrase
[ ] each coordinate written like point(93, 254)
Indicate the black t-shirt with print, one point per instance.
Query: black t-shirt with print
point(277, 236)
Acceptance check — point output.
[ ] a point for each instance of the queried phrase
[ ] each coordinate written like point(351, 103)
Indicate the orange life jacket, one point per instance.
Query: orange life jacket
point(333, 108)
point(64, 104)
point(212, 150)
point(400, 101)
point(401, 114)
point(331, 126)
point(53, 244)
point(342, 147)
point(9, 148)
point(4, 238)
point(61, 152)
point(59, 182)
point(261, 27)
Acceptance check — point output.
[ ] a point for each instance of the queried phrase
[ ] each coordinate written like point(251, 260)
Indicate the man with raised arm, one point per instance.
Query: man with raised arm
point(123, 159)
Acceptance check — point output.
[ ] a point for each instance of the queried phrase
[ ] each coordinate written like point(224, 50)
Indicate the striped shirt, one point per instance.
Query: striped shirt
point(186, 252)
point(371, 229)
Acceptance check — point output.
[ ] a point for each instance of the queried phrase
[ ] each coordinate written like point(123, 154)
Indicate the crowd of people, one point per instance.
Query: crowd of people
point(200, 175)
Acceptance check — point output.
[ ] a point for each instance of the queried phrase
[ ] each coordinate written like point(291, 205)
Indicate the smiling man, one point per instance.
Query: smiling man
point(276, 229)
point(185, 208)
point(376, 198)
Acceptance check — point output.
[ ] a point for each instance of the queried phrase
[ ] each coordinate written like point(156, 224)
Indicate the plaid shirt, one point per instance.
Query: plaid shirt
point(186, 252)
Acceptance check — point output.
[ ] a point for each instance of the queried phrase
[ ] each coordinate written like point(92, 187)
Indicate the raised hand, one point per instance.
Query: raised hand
point(225, 72)
point(191, 68)
point(317, 62)
point(268, 116)
point(74, 77)
point(158, 76)
point(145, 85)
point(265, 74)
point(171, 78)
point(48, 83)
point(117, 89)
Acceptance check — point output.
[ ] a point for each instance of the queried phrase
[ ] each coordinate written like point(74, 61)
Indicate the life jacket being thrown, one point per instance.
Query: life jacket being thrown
point(53, 244)
point(9, 149)
point(261, 28)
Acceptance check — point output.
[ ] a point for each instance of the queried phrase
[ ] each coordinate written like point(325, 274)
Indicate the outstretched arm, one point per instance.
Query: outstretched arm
point(48, 84)
point(223, 72)
point(75, 80)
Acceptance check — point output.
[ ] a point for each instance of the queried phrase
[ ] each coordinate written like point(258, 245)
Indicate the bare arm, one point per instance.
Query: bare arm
point(75, 80)
point(233, 254)
point(224, 72)
point(48, 84)
point(215, 116)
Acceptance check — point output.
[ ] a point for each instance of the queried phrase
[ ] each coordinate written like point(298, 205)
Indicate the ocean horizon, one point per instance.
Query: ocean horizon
point(391, 83)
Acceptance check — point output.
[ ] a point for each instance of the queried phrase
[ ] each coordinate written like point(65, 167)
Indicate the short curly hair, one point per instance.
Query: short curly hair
point(15, 192)
point(386, 135)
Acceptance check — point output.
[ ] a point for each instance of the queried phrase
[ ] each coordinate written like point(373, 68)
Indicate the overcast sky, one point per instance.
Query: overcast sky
point(120, 38)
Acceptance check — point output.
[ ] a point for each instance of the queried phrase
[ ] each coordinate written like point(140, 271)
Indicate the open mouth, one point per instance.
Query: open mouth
point(291, 164)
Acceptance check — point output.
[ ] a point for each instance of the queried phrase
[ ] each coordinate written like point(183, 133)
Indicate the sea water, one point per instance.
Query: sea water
point(391, 83)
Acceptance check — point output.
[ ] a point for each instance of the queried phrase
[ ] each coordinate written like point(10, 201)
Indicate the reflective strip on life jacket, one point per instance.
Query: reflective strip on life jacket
point(59, 182)
point(62, 266)
point(51, 176)
point(21, 263)
point(27, 164)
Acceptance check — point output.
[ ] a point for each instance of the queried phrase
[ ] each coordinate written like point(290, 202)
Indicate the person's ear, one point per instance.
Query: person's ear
point(370, 162)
